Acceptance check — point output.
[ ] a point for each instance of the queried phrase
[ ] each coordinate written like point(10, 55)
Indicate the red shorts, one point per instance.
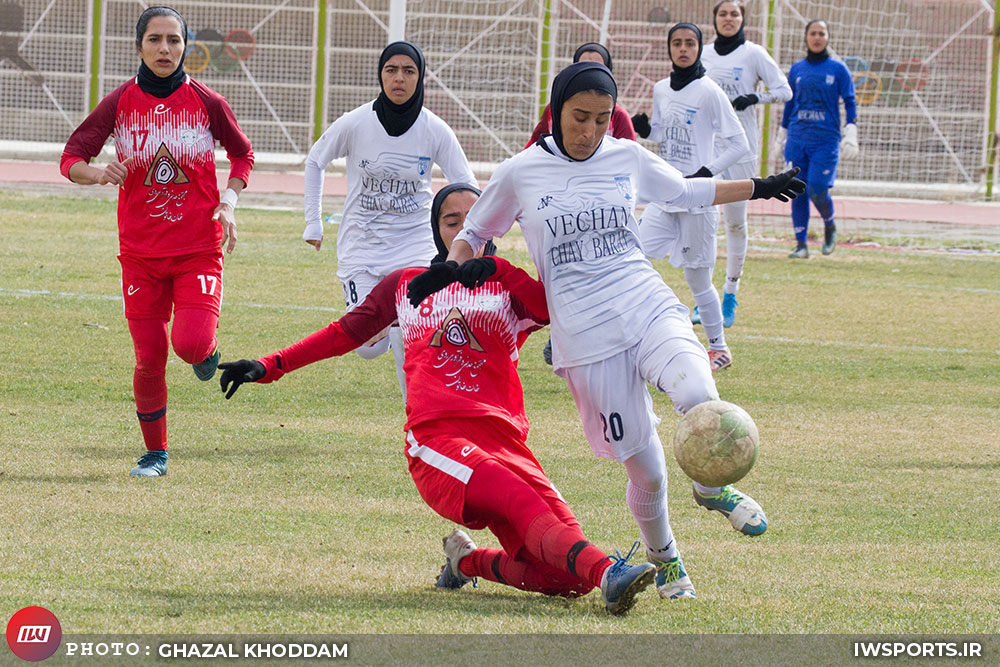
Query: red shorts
point(443, 453)
point(154, 287)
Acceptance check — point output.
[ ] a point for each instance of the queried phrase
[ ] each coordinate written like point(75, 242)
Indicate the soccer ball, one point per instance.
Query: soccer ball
point(716, 443)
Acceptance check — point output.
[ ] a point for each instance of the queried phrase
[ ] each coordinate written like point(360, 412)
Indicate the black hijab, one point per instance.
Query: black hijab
point(599, 49)
point(398, 118)
point(726, 45)
point(160, 86)
point(439, 198)
point(682, 76)
point(825, 53)
point(573, 79)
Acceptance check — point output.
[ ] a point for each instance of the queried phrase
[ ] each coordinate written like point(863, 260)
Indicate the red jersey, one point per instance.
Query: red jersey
point(461, 345)
point(165, 207)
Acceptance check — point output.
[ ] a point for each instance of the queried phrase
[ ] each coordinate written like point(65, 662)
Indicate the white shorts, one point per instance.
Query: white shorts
point(357, 286)
point(689, 238)
point(611, 394)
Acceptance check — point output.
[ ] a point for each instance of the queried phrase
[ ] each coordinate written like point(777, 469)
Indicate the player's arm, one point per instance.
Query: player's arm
point(525, 289)
point(351, 331)
point(778, 89)
point(849, 149)
point(730, 128)
point(450, 156)
point(86, 143)
point(334, 143)
point(657, 132)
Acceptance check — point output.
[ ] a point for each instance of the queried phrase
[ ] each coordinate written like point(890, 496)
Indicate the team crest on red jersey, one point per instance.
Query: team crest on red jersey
point(456, 331)
point(165, 169)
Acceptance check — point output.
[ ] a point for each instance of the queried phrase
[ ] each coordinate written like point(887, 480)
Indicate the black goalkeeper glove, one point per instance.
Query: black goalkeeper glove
point(474, 272)
point(704, 172)
point(236, 373)
point(640, 123)
point(437, 277)
point(783, 186)
point(744, 101)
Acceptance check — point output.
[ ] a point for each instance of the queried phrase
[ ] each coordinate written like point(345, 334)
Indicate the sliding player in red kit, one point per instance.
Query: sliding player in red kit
point(172, 222)
point(466, 426)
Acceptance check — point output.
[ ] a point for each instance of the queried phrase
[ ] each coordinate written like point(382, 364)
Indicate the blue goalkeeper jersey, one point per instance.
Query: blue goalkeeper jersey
point(812, 116)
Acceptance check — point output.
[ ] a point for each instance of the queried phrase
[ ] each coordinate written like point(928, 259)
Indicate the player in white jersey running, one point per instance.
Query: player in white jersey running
point(391, 145)
point(739, 67)
point(690, 114)
point(615, 324)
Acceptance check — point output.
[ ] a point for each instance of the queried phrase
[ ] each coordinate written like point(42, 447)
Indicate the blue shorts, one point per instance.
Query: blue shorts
point(818, 163)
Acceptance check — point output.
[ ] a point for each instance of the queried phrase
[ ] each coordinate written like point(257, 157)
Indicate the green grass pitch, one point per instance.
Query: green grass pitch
point(873, 376)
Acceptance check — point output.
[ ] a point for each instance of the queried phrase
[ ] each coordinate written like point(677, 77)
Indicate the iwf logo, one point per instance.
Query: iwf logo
point(34, 634)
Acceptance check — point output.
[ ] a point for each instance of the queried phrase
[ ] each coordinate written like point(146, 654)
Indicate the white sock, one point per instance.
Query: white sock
point(736, 244)
point(709, 306)
point(646, 497)
point(707, 490)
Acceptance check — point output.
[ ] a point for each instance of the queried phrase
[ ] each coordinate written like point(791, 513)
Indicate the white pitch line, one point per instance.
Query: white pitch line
point(108, 297)
point(324, 309)
point(865, 346)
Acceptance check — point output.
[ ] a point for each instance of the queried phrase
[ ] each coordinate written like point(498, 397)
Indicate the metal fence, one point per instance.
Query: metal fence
point(922, 68)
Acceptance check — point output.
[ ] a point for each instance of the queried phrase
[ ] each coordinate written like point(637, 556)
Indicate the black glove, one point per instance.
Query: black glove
point(783, 186)
point(704, 172)
point(640, 123)
point(238, 372)
point(744, 101)
point(474, 272)
point(439, 276)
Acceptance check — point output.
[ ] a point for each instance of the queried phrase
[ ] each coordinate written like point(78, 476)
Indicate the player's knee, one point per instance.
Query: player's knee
point(193, 350)
point(816, 191)
point(693, 386)
point(372, 351)
point(737, 227)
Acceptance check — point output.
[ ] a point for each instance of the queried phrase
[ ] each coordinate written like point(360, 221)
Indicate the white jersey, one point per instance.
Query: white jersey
point(386, 219)
point(578, 220)
point(739, 73)
point(686, 123)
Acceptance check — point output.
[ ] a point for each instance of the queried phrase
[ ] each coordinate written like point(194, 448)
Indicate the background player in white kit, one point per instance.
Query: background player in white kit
point(391, 145)
point(691, 113)
point(615, 323)
point(739, 66)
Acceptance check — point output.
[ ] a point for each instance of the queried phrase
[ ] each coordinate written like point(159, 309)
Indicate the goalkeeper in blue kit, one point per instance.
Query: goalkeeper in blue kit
point(811, 122)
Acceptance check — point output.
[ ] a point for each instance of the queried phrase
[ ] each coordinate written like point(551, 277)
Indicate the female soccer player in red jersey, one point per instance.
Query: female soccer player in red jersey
point(466, 427)
point(172, 223)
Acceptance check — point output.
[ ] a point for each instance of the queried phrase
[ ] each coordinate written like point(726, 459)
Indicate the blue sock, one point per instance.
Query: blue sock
point(800, 219)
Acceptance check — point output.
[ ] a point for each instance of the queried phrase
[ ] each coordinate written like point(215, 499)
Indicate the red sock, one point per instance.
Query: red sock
point(565, 547)
point(149, 383)
point(526, 575)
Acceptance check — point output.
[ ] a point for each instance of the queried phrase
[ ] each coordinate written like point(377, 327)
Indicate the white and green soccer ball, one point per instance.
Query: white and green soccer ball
point(716, 443)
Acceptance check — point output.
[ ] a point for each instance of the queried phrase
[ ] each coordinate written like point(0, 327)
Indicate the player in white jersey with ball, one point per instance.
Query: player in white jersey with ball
point(615, 324)
point(739, 67)
point(391, 145)
point(690, 114)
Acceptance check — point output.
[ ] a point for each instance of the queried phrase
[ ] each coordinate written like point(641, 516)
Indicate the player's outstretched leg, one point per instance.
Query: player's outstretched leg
point(457, 546)
point(672, 580)
point(743, 512)
point(622, 582)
